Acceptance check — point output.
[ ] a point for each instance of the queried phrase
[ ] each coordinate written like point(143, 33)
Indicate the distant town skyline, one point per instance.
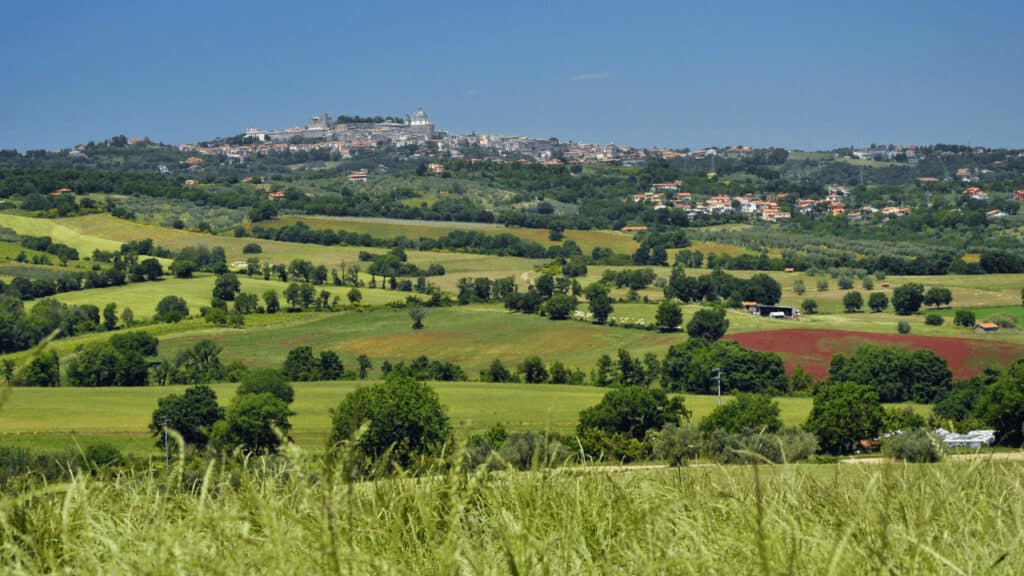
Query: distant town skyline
point(797, 75)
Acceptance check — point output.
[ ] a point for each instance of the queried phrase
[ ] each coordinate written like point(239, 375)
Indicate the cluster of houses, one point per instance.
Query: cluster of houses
point(669, 195)
point(664, 195)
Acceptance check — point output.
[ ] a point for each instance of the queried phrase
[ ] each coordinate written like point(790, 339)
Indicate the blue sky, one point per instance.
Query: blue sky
point(794, 74)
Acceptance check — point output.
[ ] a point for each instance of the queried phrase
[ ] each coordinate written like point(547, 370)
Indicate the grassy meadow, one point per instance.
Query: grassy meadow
point(293, 515)
point(50, 419)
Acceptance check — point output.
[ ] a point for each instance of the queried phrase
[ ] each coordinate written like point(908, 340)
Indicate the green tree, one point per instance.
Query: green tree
point(110, 317)
point(497, 372)
point(199, 364)
point(809, 306)
point(226, 286)
point(271, 301)
point(842, 414)
point(42, 371)
point(246, 303)
point(533, 370)
point(631, 411)
point(1001, 406)
point(669, 316)
point(191, 414)
point(878, 301)
point(364, 365)
point(936, 296)
point(171, 309)
point(799, 288)
point(708, 323)
point(404, 417)
point(763, 289)
point(748, 413)
point(183, 268)
point(964, 318)
point(355, 296)
point(907, 299)
point(267, 381)
point(560, 306)
point(599, 303)
point(417, 314)
point(101, 364)
point(253, 423)
point(300, 365)
point(853, 301)
point(331, 367)
point(602, 375)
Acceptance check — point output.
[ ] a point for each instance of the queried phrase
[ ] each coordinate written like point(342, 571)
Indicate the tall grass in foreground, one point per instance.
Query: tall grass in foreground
point(294, 515)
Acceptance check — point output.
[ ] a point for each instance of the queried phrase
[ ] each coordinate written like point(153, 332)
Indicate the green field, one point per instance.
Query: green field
point(414, 229)
point(47, 418)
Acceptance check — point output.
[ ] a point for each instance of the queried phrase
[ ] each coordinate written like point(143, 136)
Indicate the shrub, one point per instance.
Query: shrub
point(747, 413)
point(497, 372)
point(103, 454)
point(913, 446)
point(269, 381)
point(934, 320)
point(252, 248)
point(964, 318)
point(903, 327)
point(676, 444)
point(787, 445)
point(531, 450)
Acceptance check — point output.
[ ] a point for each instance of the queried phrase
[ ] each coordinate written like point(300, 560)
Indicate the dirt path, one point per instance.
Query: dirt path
point(975, 456)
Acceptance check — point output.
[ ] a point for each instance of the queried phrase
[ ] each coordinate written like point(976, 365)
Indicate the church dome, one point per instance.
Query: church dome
point(420, 117)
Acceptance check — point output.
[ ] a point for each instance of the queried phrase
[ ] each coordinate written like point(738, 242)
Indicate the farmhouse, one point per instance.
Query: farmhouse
point(975, 193)
point(986, 327)
point(974, 439)
point(772, 311)
point(275, 196)
point(358, 176)
point(1018, 195)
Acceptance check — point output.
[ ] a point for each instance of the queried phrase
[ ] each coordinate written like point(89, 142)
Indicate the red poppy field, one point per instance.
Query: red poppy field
point(813, 349)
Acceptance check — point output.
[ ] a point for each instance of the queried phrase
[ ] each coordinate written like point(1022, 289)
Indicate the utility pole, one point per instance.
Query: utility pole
point(718, 381)
point(167, 447)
